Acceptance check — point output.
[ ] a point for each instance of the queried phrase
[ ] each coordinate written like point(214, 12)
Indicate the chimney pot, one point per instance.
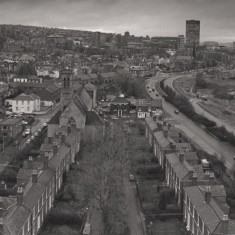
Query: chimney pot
point(225, 224)
point(208, 195)
point(54, 148)
point(34, 176)
point(30, 162)
point(181, 157)
point(19, 196)
point(62, 138)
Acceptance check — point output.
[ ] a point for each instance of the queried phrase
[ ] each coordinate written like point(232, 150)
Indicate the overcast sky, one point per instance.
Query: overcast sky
point(139, 17)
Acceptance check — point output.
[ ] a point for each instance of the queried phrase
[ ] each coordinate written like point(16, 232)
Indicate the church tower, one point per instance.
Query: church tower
point(66, 78)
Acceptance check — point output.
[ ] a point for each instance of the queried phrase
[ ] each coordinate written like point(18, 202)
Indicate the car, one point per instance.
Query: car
point(27, 141)
point(131, 177)
point(153, 89)
point(176, 111)
point(36, 133)
point(24, 122)
point(44, 124)
point(39, 129)
point(32, 137)
point(156, 94)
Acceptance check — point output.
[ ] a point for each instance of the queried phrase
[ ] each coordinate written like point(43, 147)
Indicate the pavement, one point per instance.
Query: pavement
point(195, 133)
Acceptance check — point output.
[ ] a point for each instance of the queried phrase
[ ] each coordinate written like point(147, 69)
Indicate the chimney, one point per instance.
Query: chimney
point(3, 185)
point(212, 177)
point(30, 162)
point(181, 157)
point(165, 132)
point(50, 139)
point(1, 203)
point(45, 161)
point(159, 126)
point(19, 196)
point(55, 148)
point(63, 138)
point(208, 195)
point(194, 178)
point(225, 224)
point(1, 226)
point(207, 175)
point(172, 145)
point(34, 176)
point(69, 129)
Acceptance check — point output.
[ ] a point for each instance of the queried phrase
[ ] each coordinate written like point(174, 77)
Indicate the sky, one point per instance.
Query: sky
point(139, 17)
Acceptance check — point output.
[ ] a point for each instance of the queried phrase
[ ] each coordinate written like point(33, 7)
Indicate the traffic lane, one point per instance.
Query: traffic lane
point(203, 139)
point(199, 136)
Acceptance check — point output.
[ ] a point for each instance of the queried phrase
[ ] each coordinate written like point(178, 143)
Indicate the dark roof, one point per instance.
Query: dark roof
point(210, 213)
point(56, 118)
point(92, 119)
point(151, 123)
point(35, 191)
point(120, 100)
point(17, 220)
point(11, 121)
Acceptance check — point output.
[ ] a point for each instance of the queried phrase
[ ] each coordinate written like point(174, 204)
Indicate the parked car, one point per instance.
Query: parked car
point(176, 111)
point(131, 177)
point(27, 141)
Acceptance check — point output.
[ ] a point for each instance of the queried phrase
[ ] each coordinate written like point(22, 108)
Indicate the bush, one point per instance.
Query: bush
point(63, 217)
point(162, 202)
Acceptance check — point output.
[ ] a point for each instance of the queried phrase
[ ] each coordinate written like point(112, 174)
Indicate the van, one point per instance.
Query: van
point(87, 229)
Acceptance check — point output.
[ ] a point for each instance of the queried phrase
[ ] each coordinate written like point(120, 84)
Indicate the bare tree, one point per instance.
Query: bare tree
point(105, 178)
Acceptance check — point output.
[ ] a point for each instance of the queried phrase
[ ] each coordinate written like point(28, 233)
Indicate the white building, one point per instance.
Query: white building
point(25, 103)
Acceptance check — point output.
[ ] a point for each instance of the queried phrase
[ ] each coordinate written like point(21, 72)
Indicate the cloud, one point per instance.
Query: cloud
point(140, 17)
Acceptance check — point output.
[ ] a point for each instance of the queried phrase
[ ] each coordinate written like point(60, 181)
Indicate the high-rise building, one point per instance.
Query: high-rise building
point(180, 44)
point(97, 39)
point(192, 32)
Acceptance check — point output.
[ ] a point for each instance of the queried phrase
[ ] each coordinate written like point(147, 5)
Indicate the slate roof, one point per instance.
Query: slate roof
point(90, 87)
point(18, 217)
point(210, 213)
point(32, 192)
point(120, 100)
point(57, 158)
point(160, 138)
point(85, 99)
point(56, 118)
point(179, 168)
point(151, 123)
point(10, 121)
point(92, 119)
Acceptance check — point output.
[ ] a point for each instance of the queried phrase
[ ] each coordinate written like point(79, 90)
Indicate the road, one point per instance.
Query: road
point(39, 120)
point(133, 212)
point(196, 134)
point(198, 109)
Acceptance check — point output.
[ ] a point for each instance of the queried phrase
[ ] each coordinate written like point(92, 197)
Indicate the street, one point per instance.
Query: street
point(133, 212)
point(199, 136)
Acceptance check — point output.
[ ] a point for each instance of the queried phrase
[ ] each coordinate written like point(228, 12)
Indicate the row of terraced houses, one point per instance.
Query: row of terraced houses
point(24, 208)
point(201, 198)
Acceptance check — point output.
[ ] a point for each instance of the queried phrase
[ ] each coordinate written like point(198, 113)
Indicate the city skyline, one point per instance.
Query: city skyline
point(138, 17)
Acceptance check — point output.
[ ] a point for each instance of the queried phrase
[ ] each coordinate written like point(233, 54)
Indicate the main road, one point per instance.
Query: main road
point(204, 140)
point(195, 102)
